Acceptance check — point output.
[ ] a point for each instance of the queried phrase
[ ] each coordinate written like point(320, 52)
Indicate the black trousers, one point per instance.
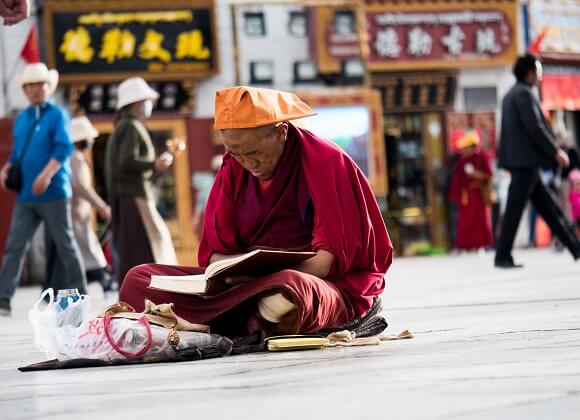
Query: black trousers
point(526, 184)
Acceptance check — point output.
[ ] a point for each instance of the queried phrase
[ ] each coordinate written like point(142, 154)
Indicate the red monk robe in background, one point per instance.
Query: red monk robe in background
point(281, 187)
point(471, 170)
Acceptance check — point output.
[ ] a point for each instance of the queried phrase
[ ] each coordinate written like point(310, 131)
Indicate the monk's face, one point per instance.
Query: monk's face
point(258, 150)
point(468, 151)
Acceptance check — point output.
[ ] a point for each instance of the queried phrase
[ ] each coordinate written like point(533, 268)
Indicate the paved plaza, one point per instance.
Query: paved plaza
point(489, 345)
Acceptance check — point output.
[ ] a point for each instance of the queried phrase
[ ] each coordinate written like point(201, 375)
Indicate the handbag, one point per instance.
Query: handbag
point(488, 192)
point(14, 174)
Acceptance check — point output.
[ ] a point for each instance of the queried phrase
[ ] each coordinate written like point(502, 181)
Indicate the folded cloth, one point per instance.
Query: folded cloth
point(162, 315)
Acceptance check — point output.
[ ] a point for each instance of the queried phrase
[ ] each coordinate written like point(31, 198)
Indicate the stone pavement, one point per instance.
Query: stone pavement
point(489, 345)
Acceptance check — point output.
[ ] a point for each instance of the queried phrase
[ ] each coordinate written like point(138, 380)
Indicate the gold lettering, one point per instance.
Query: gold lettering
point(190, 45)
point(152, 49)
point(117, 44)
point(76, 45)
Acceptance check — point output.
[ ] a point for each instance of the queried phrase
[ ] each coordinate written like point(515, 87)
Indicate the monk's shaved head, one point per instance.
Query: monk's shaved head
point(258, 149)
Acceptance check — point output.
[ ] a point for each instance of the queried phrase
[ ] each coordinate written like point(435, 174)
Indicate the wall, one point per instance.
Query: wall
point(226, 75)
point(277, 45)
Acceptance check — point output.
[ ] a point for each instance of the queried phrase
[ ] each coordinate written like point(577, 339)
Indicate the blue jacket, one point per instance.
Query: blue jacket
point(51, 139)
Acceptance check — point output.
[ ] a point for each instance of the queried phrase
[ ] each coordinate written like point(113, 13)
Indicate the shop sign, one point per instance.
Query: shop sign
point(109, 41)
point(412, 92)
point(558, 23)
point(441, 34)
point(101, 98)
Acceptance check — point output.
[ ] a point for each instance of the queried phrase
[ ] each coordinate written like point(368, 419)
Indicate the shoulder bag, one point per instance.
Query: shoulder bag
point(14, 175)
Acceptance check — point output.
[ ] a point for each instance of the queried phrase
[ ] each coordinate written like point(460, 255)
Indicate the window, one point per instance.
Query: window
point(344, 22)
point(305, 72)
point(261, 72)
point(480, 97)
point(254, 24)
point(298, 24)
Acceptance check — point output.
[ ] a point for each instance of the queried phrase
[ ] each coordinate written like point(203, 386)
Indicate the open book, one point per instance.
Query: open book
point(258, 262)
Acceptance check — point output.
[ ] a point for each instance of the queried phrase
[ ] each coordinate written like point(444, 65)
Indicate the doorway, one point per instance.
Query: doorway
point(415, 148)
point(171, 188)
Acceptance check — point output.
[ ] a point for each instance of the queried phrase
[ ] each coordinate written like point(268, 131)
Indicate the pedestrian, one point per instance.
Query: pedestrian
point(272, 192)
point(84, 199)
point(471, 190)
point(41, 152)
point(139, 233)
point(527, 145)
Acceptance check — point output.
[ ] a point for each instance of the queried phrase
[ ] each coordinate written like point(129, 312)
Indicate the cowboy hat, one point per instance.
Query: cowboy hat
point(82, 129)
point(37, 73)
point(248, 107)
point(132, 90)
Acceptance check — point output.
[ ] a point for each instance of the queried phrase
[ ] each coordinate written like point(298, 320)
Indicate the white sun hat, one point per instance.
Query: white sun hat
point(38, 72)
point(82, 129)
point(133, 90)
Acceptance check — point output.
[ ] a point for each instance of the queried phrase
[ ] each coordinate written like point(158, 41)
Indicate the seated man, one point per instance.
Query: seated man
point(281, 187)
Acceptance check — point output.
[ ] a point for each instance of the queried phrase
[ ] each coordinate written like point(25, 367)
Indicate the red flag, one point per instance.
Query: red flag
point(30, 52)
point(536, 44)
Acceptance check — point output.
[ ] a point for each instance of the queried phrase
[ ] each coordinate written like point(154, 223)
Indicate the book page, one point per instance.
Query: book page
point(257, 262)
point(192, 284)
point(227, 262)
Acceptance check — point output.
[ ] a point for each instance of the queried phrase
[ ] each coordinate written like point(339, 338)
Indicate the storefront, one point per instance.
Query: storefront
point(97, 44)
point(415, 53)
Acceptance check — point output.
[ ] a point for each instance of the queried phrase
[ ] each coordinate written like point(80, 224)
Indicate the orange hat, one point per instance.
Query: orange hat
point(247, 107)
point(470, 138)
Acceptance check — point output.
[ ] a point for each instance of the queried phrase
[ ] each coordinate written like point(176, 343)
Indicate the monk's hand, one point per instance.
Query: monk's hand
point(233, 280)
point(469, 169)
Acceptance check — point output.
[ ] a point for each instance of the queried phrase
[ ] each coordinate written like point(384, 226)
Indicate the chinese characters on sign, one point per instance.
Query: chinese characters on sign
point(404, 37)
point(163, 43)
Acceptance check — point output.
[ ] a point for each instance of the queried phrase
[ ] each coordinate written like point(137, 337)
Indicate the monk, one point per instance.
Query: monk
point(281, 187)
point(472, 170)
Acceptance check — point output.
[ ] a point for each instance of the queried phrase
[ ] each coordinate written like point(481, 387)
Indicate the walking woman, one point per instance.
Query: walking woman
point(84, 199)
point(139, 233)
point(471, 191)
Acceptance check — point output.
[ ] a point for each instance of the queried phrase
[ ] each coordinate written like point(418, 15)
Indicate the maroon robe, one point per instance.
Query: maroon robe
point(473, 216)
point(317, 200)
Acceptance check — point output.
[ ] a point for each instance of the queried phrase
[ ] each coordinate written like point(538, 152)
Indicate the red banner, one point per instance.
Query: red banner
point(561, 92)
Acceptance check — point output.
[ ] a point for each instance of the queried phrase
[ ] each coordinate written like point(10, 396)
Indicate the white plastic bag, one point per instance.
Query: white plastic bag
point(53, 324)
point(44, 324)
point(71, 333)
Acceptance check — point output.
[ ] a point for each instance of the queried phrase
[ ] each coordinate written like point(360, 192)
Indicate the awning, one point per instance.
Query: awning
point(561, 92)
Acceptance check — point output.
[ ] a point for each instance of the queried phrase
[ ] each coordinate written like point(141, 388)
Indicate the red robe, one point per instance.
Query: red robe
point(317, 199)
point(473, 216)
